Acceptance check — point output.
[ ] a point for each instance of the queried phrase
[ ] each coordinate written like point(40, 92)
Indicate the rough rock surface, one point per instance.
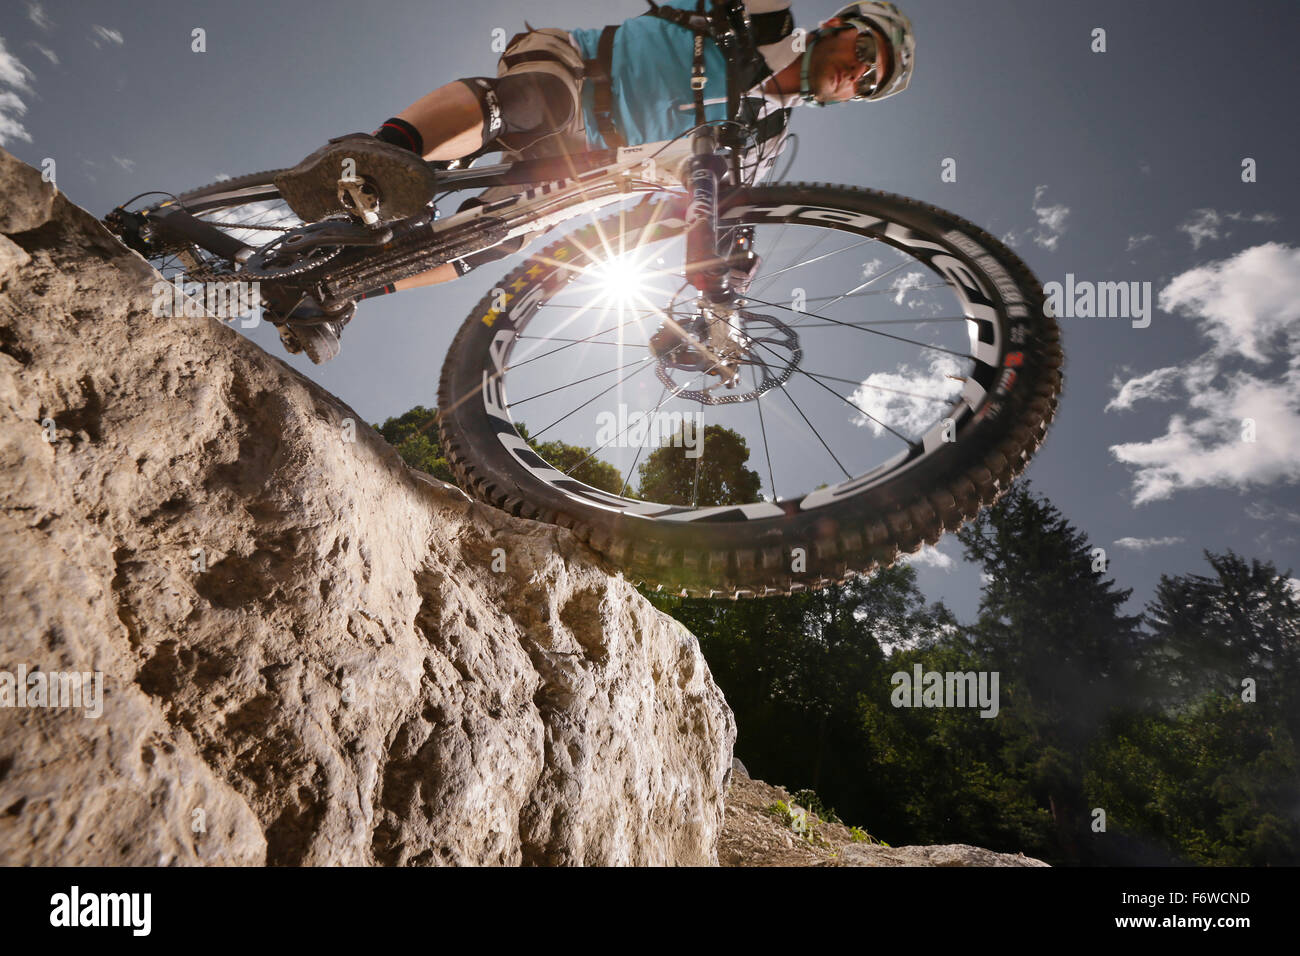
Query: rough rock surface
point(754, 836)
point(346, 680)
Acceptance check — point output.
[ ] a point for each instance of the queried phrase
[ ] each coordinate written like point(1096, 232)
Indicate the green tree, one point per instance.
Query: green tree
point(1241, 622)
point(717, 476)
point(1050, 622)
point(415, 436)
point(1216, 784)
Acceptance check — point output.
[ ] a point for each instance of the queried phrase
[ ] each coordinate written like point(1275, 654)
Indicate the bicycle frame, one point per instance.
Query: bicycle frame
point(557, 189)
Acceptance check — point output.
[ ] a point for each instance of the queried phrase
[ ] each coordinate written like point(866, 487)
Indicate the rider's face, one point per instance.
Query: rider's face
point(836, 68)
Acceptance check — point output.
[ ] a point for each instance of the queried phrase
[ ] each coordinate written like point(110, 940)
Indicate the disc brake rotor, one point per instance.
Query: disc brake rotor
point(762, 343)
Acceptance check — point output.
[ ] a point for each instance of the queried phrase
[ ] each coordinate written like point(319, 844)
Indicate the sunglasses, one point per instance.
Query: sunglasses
point(868, 52)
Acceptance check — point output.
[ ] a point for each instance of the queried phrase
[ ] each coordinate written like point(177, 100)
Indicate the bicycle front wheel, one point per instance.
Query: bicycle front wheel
point(888, 372)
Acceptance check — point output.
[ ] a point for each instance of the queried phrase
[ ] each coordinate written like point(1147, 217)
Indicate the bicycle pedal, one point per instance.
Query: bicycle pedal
point(359, 197)
point(361, 176)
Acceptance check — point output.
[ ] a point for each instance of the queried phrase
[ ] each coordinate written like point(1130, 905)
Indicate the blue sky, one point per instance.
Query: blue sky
point(1123, 165)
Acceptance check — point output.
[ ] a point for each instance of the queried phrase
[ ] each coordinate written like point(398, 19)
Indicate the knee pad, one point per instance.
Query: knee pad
point(522, 107)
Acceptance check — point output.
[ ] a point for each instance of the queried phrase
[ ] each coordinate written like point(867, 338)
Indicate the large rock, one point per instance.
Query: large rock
point(347, 680)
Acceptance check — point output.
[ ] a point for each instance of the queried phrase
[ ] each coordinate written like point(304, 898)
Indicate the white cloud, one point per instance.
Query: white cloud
point(1051, 224)
point(1294, 585)
point(1256, 217)
point(1263, 511)
point(1157, 385)
point(1142, 240)
point(904, 285)
point(36, 13)
point(1051, 221)
point(12, 71)
point(908, 400)
point(127, 164)
point(12, 108)
point(1144, 544)
point(11, 127)
point(1248, 301)
point(45, 52)
point(1206, 225)
point(1248, 306)
point(1202, 226)
point(929, 556)
point(102, 35)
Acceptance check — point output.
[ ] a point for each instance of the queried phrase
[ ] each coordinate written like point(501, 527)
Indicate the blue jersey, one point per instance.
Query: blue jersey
point(650, 72)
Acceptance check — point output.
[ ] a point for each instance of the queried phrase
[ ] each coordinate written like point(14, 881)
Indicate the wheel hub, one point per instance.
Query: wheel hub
point(720, 345)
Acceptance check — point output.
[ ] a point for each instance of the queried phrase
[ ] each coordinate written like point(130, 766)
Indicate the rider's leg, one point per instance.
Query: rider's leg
point(449, 124)
point(449, 121)
point(442, 273)
point(460, 118)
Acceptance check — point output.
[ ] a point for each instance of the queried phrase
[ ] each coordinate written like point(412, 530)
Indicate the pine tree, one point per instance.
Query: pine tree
point(1051, 624)
point(1216, 631)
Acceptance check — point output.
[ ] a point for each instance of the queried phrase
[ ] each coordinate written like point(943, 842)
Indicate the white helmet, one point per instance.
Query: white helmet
point(893, 25)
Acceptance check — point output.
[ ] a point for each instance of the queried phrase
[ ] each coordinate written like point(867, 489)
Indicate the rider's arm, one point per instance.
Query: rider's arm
point(772, 19)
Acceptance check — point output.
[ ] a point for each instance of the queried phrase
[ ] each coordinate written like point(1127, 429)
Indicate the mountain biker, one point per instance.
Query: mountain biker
point(560, 91)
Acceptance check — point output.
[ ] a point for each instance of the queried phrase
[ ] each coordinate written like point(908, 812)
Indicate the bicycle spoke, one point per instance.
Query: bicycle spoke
point(559, 388)
point(699, 460)
point(811, 261)
point(572, 342)
point(818, 240)
point(861, 295)
point(624, 429)
point(644, 363)
point(897, 338)
point(548, 338)
point(882, 388)
point(863, 325)
point(814, 431)
point(767, 452)
point(598, 307)
point(874, 278)
point(627, 475)
point(851, 405)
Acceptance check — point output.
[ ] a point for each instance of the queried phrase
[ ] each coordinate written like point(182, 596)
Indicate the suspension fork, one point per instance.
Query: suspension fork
point(706, 266)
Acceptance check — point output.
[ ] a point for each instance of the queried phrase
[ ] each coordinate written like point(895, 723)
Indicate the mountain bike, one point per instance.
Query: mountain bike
point(886, 367)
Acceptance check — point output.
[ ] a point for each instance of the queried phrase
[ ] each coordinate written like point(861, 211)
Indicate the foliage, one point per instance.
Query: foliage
point(415, 436)
point(1215, 784)
point(1096, 709)
point(717, 476)
point(809, 800)
point(799, 819)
